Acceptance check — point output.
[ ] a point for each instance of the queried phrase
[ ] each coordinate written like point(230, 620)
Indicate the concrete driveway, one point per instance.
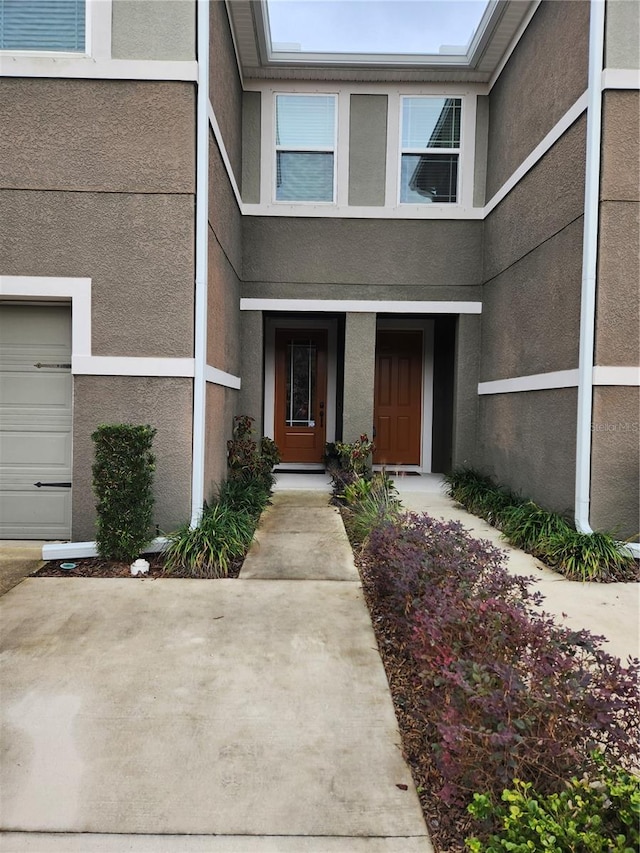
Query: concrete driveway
point(246, 715)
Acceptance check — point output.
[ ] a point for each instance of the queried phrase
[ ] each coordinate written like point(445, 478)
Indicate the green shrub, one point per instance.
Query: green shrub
point(369, 504)
point(527, 526)
point(248, 460)
point(207, 551)
point(123, 485)
point(596, 814)
point(355, 456)
point(586, 556)
point(546, 535)
point(243, 495)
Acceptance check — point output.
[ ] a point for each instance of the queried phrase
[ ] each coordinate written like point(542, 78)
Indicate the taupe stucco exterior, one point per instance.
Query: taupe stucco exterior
point(359, 371)
point(378, 256)
point(527, 442)
point(225, 89)
point(117, 136)
point(544, 76)
point(160, 31)
point(251, 118)
point(615, 461)
point(165, 403)
point(367, 149)
point(622, 34)
point(137, 249)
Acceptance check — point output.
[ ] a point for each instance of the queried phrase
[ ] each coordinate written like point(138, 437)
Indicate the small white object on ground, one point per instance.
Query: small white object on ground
point(139, 567)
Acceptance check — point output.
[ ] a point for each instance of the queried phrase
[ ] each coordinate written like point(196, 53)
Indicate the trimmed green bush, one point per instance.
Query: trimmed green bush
point(598, 813)
point(123, 485)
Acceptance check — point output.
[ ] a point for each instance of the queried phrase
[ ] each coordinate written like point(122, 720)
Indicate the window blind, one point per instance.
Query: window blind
point(42, 25)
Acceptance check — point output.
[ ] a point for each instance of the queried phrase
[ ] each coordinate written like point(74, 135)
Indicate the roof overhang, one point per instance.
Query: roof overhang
point(500, 24)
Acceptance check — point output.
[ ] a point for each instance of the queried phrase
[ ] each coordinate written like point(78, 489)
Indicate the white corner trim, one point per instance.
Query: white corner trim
point(88, 68)
point(97, 365)
point(604, 375)
point(534, 382)
point(77, 290)
point(557, 131)
point(620, 78)
point(368, 306)
point(217, 134)
point(221, 377)
point(66, 550)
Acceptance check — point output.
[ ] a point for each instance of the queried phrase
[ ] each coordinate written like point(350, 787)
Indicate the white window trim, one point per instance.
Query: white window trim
point(392, 209)
point(401, 151)
point(274, 148)
point(96, 63)
point(97, 38)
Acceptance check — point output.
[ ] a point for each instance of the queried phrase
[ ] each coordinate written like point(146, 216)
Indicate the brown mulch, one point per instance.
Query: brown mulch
point(96, 567)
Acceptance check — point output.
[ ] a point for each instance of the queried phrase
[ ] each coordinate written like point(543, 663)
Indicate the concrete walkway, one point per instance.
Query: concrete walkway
point(611, 610)
point(232, 716)
point(18, 560)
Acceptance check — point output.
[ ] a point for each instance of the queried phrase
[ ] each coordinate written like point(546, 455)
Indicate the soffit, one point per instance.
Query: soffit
point(247, 17)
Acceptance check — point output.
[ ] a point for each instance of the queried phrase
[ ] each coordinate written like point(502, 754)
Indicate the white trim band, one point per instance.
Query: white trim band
point(557, 131)
point(534, 382)
point(221, 377)
point(109, 365)
point(75, 290)
point(622, 376)
point(87, 68)
point(217, 135)
point(364, 306)
point(620, 78)
point(629, 376)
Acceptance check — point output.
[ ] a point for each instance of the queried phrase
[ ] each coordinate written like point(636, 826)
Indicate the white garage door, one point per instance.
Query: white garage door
point(35, 422)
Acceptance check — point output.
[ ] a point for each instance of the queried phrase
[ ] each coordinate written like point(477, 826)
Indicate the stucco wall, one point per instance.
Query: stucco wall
point(163, 403)
point(225, 90)
point(367, 149)
point(618, 295)
point(531, 311)
point(527, 441)
point(376, 259)
point(251, 118)
point(465, 450)
point(141, 29)
point(615, 461)
point(544, 76)
point(137, 250)
point(622, 34)
point(359, 370)
point(252, 360)
point(98, 135)
point(225, 261)
point(221, 408)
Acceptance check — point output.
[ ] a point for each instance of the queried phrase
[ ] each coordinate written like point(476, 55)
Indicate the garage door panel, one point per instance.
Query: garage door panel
point(35, 450)
point(35, 421)
point(34, 513)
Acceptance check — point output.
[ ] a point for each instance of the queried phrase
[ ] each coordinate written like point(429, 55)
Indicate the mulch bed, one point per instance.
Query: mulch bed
point(96, 567)
point(448, 826)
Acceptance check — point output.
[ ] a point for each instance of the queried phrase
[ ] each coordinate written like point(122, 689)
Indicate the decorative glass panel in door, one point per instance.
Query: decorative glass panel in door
point(300, 394)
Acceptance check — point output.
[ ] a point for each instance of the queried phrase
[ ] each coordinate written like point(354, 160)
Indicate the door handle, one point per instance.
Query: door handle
point(322, 414)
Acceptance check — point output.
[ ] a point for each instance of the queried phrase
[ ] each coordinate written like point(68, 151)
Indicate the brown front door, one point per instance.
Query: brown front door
point(397, 412)
point(301, 394)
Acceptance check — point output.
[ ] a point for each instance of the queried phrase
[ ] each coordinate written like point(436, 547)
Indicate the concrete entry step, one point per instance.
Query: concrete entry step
point(300, 537)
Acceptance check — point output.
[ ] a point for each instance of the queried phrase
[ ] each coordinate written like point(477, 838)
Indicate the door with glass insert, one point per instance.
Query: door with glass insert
point(300, 394)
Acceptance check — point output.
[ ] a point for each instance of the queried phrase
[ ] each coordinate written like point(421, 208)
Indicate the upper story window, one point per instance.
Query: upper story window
point(56, 25)
point(305, 147)
point(430, 150)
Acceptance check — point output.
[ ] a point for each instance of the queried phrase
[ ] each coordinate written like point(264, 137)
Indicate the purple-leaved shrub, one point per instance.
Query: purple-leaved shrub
point(505, 692)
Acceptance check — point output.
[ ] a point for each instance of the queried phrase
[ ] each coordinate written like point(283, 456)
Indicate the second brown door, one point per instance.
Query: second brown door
point(398, 398)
